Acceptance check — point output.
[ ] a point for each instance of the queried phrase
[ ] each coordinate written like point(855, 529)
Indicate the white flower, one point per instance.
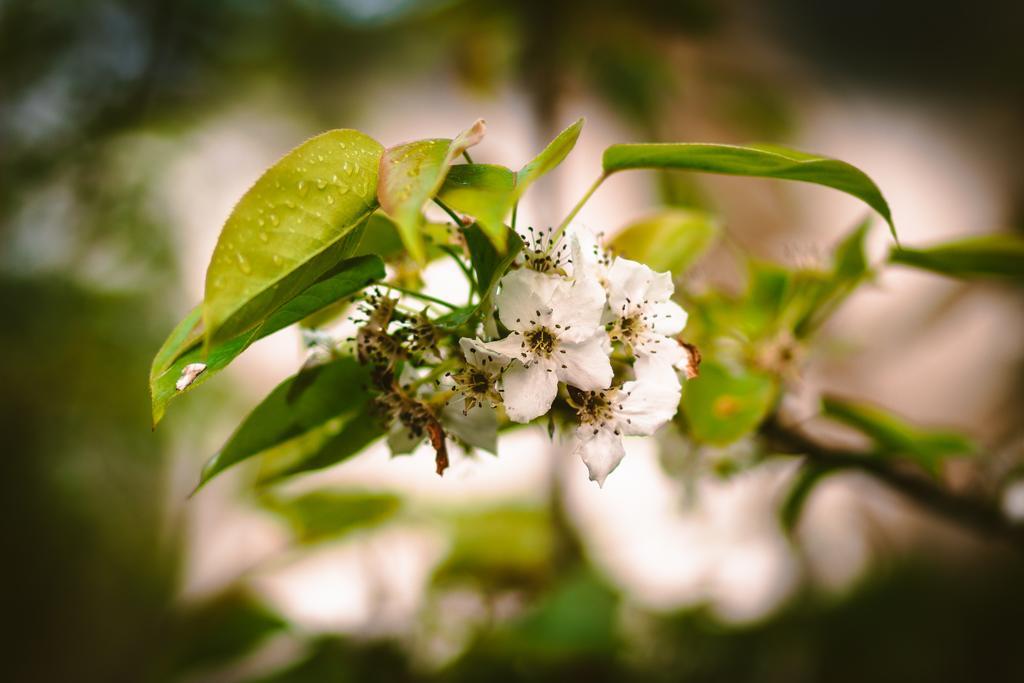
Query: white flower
point(544, 256)
point(643, 315)
point(477, 382)
point(637, 408)
point(556, 336)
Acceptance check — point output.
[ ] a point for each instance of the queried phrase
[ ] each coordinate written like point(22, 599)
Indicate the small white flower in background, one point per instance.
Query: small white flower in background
point(556, 336)
point(637, 408)
point(188, 375)
point(643, 316)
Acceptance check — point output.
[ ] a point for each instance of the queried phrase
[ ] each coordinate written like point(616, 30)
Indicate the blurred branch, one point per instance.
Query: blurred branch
point(976, 514)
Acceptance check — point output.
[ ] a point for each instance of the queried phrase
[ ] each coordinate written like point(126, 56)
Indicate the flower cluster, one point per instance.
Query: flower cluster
point(602, 327)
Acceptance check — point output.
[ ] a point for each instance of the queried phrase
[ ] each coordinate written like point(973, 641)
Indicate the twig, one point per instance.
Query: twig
point(971, 512)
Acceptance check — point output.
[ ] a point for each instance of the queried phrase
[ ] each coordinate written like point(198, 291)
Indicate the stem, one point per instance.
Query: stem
point(420, 295)
point(575, 210)
point(465, 153)
point(436, 372)
point(971, 512)
point(515, 212)
point(448, 210)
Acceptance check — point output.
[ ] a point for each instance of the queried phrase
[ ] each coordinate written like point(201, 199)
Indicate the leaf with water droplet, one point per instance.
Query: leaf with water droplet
point(241, 294)
point(411, 174)
point(183, 347)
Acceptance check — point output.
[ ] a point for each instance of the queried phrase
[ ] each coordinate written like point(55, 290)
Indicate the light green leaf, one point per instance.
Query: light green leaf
point(721, 406)
point(670, 240)
point(314, 404)
point(411, 174)
point(345, 279)
point(819, 294)
point(549, 158)
point(291, 227)
point(484, 191)
point(765, 161)
point(894, 437)
point(994, 256)
point(322, 515)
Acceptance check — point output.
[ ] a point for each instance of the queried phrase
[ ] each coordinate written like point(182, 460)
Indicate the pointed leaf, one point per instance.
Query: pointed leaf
point(411, 174)
point(549, 158)
point(317, 401)
point(290, 228)
point(765, 161)
point(995, 256)
point(894, 437)
point(345, 279)
point(671, 240)
point(484, 191)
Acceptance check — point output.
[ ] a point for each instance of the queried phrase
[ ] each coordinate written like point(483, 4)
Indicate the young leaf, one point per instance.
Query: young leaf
point(670, 240)
point(894, 437)
point(345, 279)
point(488, 264)
point(765, 161)
point(411, 174)
point(484, 191)
point(488, 192)
point(995, 256)
point(823, 294)
point(318, 402)
point(291, 227)
point(721, 406)
point(549, 158)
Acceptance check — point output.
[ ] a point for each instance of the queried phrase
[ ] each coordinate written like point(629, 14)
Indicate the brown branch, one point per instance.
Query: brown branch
point(968, 511)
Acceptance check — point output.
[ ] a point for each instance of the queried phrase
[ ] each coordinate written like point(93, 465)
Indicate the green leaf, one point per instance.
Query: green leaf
point(330, 443)
point(291, 227)
point(322, 515)
point(488, 264)
point(488, 192)
point(484, 191)
point(764, 161)
point(411, 174)
point(670, 240)
point(991, 256)
point(345, 279)
point(894, 437)
point(314, 404)
point(821, 296)
point(549, 158)
point(721, 406)
point(380, 238)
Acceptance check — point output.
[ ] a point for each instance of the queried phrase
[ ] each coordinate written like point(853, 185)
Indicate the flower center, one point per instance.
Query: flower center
point(478, 382)
point(540, 341)
point(594, 407)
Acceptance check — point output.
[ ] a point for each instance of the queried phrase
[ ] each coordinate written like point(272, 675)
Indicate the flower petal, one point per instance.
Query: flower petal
point(529, 391)
point(665, 317)
point(510, 347)
point(648, 403)
point(585, 364)
point(479, 355)
point(524, 296)
point(576, 308)
point(601, 452)
point(628, 282)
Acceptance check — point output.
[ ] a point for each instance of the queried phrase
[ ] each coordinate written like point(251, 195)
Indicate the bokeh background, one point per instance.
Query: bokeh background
point(129, 129)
